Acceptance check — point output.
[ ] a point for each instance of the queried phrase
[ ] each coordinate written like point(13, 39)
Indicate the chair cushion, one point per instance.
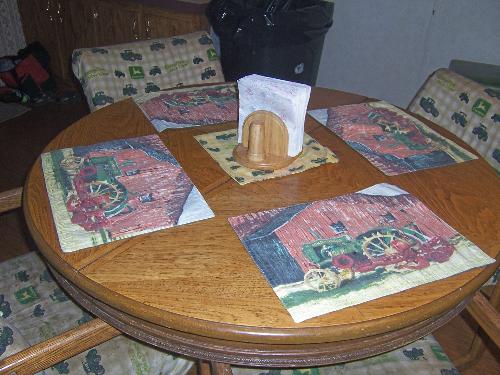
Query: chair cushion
point(466, 108)
point(111, 73)
point(11, 340)
point(33, 308)
point(422, 357)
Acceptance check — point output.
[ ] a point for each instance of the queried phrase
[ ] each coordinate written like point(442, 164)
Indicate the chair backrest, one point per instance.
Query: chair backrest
point(111, 73)
point(56, 349)
point(485, 74)
point(41, 328)
point(468, 109)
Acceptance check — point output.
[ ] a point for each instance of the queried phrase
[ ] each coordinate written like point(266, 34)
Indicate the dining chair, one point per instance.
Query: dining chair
point(465, 100)
point(43, 330)
point(111, 73)
point(468, 109)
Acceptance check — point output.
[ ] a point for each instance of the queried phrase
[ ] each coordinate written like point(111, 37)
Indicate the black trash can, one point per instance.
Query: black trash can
point(276, 38)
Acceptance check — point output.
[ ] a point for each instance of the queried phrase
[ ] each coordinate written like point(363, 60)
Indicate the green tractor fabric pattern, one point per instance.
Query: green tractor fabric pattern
point(466, 108)
point(34, 309)
point(112, 73)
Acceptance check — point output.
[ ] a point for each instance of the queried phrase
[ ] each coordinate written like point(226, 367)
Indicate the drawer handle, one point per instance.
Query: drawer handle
point(134, 29)
point(148, 29)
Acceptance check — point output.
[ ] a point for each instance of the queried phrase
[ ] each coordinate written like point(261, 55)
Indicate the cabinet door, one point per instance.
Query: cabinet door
point(161, 23)
point(75, 21)
point(40, 22)
point(117, 22)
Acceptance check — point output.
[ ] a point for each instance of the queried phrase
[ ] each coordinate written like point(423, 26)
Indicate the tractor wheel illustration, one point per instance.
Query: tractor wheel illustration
point(321, 280)
point(383, 243)
point(109, 195)
point(71, 164)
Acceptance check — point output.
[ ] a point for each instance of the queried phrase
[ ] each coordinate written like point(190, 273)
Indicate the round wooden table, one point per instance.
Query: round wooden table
point(195, 290)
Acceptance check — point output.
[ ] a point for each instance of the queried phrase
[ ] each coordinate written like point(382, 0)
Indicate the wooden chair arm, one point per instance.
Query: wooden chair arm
point(10, 199)
point(56, 349)
point(485, 314)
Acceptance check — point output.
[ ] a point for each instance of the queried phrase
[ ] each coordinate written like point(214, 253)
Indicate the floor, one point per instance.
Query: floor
point(23, 139)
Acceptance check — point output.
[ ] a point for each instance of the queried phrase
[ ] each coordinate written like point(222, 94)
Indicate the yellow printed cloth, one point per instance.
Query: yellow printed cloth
point(466, 108)
point(111, 73)
point(220, 146)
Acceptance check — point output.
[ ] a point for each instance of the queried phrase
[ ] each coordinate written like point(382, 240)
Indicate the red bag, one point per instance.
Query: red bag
point(30, 66)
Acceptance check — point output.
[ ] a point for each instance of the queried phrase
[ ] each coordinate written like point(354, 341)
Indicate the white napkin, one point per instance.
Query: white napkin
point(288, 100)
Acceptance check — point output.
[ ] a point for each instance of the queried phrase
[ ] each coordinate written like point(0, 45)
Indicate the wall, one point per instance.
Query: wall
point(12, 37)
point(387, 48)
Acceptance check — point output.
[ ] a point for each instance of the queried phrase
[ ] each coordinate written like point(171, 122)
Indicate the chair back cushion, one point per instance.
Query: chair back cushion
point(112, 73)
point(466, 108)
point(34, 308)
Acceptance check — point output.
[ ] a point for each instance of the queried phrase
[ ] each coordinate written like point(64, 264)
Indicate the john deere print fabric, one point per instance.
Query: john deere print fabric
point(108, 74)
point(33, 308)
point(466, 108)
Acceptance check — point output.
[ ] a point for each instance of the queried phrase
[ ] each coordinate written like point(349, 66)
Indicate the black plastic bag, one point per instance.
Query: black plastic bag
point(279, 38)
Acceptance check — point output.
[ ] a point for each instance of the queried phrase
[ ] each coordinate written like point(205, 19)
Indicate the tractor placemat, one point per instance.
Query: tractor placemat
point(327, 255)
point(389, 138)
point(118, 189)
point(182, 108)
point(220, 146)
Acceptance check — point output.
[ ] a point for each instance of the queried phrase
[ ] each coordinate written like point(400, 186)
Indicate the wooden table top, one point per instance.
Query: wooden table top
point(198, 278)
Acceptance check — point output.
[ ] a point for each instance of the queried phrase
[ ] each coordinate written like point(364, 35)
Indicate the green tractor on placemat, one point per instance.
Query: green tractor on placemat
point(337, 260)
point(99, 194)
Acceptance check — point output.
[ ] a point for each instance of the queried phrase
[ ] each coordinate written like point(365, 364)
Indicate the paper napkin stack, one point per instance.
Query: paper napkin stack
point(288, 100)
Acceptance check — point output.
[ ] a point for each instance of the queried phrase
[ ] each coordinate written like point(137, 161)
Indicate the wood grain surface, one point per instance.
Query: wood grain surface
point(198, 279)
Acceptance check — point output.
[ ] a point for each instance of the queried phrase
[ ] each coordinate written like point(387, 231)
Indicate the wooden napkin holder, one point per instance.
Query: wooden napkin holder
point(264, 142)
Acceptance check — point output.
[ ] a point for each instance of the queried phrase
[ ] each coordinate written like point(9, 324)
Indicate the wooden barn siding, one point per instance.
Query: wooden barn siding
point(274, 260)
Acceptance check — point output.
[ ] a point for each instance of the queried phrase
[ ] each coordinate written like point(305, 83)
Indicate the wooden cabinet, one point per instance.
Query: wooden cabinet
point(40, 25)
point(64, 25)
point(117, 22)
point(157, 23)
point(76, 23)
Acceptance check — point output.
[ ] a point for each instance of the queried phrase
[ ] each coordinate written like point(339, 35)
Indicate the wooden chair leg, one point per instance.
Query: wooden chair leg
point(485, 314)
point(52, 351)
point(214, 368)
point(203, 368)
point(10, 199)
point(220, 368)
point(476, 349)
